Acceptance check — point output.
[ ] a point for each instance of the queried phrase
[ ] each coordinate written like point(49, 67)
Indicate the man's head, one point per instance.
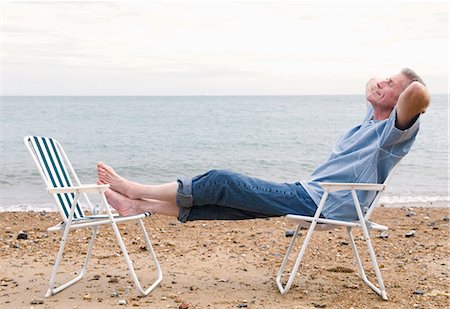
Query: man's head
point(386, 92)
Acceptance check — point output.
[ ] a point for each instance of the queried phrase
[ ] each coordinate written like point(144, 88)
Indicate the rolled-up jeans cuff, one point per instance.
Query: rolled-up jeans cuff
point(184, 198)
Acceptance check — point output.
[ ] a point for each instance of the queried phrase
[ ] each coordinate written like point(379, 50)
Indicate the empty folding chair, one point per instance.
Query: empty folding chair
point(63, 184)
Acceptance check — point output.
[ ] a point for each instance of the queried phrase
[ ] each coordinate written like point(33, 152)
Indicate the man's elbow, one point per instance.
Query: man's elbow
point(418, 93)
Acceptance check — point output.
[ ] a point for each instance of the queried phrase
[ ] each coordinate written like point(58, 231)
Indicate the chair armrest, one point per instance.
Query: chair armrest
point(331, 186)
point(83, 188)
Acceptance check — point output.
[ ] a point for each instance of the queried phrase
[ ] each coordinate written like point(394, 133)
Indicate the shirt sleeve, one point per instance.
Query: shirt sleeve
point(392, 135)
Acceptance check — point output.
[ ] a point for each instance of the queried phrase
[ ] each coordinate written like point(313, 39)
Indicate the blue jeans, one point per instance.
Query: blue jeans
point(224, 195)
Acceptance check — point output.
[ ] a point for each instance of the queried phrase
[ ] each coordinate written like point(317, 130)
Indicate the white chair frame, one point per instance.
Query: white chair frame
point(325, 224)
point(94, 221)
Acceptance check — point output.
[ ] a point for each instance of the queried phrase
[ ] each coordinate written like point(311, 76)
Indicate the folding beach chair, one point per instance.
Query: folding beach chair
point(63, 184)
point(321, 224)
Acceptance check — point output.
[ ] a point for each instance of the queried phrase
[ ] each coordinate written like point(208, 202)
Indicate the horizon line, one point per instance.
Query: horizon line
point(190, 95)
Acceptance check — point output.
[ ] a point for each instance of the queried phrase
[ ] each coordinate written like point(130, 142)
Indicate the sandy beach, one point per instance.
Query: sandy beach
point(221, 264)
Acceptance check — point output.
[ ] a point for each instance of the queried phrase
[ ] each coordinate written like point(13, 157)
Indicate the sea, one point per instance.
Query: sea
point(156, 139)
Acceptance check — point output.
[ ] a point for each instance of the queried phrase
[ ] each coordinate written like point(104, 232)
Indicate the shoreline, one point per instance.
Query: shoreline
point(227, 264)
point(49, 207)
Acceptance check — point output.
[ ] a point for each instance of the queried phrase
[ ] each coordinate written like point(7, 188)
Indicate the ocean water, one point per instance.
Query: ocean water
point(156, 139)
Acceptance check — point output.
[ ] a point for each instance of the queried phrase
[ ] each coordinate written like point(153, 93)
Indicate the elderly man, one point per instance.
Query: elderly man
point(364, 154)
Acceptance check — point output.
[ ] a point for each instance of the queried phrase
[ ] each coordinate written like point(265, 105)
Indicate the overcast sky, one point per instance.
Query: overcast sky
point(219, 48)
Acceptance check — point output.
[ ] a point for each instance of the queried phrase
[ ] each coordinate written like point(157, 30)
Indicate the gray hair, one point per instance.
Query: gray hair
point(412, 76)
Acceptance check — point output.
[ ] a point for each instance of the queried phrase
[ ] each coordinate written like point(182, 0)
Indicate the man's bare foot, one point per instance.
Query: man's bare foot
point(107, 175)
point(122, 204)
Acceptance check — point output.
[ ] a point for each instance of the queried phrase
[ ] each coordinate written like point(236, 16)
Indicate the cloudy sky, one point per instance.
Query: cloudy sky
point(218, 48)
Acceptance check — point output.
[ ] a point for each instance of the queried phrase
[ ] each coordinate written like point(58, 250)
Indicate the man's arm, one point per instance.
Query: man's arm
point(412, 102)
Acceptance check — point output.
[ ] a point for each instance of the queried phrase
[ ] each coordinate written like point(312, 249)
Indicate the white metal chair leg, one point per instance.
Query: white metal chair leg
point(88, 252)
point(359, 266)
point(298, 260)
point(381, 290)
point(127, 257)
point(51, 290)
point(155, 260)
point(282, 289)
point(285, 289)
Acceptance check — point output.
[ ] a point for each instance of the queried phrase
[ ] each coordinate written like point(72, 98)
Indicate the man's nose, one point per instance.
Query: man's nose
point(381, 84)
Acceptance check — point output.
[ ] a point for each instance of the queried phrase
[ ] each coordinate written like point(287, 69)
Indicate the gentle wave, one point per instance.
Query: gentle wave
point(29, 207)
point(418, 201)
point(413, 199)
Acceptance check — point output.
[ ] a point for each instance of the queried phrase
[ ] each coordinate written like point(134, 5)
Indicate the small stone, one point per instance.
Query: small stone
point(383, 235)
point(242, 305)
point(8, 229)
point(438, 293)
point(99, 299)
point(114, 294)
point(317, 305)
point(122, 302)
point(113, 280)
point(87, 297)
point(183, 306)
point(22, 235)
point(410, 213)
point(343, 243)
point(289, 233)
point(410, 233)
point(223, 280)
point(418, 292)
point(350, 286)
point(96, 277)
point(37, 301)
point(15, 245)
point(446, 218)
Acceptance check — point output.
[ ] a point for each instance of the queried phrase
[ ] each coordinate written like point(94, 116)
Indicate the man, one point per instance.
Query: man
point(365, 154)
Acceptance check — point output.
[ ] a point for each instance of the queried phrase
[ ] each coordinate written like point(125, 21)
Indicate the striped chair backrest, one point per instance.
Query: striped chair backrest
point(49, 158)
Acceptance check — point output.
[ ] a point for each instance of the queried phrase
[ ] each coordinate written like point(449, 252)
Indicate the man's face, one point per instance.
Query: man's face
point(386, 92)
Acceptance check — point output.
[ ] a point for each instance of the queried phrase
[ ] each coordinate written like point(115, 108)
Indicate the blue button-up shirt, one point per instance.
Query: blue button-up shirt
point(365, 154)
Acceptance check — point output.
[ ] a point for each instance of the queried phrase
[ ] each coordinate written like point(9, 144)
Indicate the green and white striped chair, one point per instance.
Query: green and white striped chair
point(63, 184)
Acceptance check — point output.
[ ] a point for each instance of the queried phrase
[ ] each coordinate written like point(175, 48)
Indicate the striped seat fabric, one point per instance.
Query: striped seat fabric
point(48, 154)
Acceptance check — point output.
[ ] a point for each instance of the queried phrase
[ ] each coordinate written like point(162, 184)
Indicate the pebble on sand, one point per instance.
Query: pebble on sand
point(289, 233)
point(37, 301)
point(410, 233)
point(22, 235)
point(383, 235)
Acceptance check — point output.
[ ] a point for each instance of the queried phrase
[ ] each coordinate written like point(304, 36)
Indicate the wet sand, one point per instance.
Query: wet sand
point(224, 264)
